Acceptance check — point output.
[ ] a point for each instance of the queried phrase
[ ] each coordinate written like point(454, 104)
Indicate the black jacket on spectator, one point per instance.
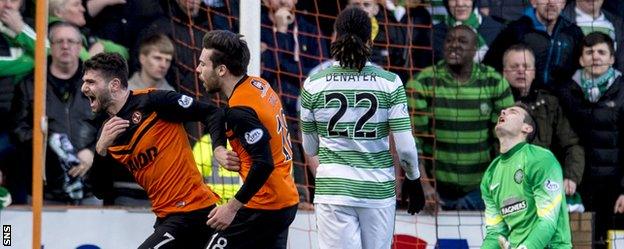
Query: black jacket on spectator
point(504, 10)
point(386, 39)
point(618, 24)
point(121, 23)
point(557, 55)
point(614, 6)
point(489, 30)
point(410, 42)
point(600, 127)
point(6, 97)
point(68, 112)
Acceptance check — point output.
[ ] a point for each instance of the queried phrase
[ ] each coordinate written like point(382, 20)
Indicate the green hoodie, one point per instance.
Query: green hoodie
point(20, 59)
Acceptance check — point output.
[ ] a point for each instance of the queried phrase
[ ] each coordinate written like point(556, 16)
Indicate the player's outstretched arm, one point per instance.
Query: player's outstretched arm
point(176, 107)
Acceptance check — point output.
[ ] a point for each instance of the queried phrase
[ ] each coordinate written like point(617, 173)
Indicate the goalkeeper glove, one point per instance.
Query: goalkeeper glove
point(412, 189)
point(505, 244)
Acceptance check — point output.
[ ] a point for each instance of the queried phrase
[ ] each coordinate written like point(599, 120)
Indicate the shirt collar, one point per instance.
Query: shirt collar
point(337, 64)
point(513, 150)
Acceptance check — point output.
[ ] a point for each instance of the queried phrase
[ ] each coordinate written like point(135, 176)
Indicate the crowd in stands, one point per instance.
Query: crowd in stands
point(462, 62)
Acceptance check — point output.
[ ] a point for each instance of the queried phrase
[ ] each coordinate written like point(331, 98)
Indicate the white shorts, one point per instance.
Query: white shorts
point(345, 227)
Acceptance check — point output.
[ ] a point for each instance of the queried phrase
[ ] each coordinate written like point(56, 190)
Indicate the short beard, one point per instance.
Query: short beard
point(214, 90)
point(105, 102)
point(213, 84)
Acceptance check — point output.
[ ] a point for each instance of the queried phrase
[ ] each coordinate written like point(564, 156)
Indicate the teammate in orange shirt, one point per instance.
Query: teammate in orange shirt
point(145, 135)
point(262, 210)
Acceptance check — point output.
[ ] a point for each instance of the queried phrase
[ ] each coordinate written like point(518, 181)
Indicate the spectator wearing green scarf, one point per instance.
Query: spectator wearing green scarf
point(464, 12)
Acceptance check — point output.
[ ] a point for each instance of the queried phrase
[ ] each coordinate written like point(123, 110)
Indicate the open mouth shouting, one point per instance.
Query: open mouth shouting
point(501, 120)
point(93, 101)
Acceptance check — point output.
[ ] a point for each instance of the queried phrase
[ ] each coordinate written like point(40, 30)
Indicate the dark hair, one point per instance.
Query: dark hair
point(528, 119)
point(353, 33)
point(229, 50)
point(110, 65)
point(595, 38)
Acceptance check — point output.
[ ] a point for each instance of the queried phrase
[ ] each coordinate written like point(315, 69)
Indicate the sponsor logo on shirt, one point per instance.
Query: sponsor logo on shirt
point(258, 84)
point(253, 136)
point(551, 185)
point(513, 208)
point(185, 101)
point(142, 159)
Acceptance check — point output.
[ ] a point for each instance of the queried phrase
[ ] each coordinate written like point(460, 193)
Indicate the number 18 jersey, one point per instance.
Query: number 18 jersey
point(352, 114)
point(255, 114)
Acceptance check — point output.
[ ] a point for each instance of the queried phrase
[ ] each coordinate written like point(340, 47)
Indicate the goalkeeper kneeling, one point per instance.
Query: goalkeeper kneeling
point(522, 189)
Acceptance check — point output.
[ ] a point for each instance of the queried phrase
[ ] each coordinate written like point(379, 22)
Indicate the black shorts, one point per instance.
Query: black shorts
point(257, 229)
point(181, 230)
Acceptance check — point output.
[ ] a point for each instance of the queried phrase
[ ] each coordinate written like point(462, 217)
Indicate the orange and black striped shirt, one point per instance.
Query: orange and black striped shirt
point(155, 149)
point(257, 130)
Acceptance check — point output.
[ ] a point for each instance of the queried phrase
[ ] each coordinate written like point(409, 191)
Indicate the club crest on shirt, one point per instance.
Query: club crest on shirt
point(185, 101)
point(258, 84)
point(136, 117)
point(485, 108)
point(253, 136)
point(519, 176)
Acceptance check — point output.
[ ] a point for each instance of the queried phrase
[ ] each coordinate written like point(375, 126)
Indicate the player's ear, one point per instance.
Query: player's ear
point(221, 70)
point(527, 129)
point(114, 84)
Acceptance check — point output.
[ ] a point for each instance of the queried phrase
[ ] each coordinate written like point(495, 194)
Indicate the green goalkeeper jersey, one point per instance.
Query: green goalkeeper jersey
point(525, 201)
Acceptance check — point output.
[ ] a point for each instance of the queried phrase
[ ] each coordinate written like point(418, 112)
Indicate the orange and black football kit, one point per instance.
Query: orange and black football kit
point(155, 149)
point(256, 128)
